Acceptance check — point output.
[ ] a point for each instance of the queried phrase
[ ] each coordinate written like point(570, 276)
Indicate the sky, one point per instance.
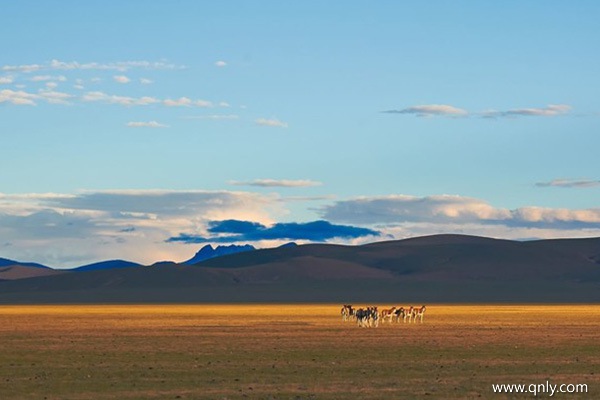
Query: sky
point(143, 130)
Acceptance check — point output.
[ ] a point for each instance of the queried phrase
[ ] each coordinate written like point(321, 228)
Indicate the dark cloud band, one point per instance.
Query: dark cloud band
point(236, 231)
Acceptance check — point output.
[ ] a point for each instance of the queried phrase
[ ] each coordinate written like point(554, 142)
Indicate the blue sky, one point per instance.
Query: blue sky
point(125, 126)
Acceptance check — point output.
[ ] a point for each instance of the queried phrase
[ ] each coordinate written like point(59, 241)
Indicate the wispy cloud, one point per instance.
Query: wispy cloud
point(43, 78)
point(20, 97)
point(273, 122)
point(444, 110)
point(146, 81)
point(186, 102)
point(121, 79)
point(5, 80)
point(214, 117)
point(149, 124)
point(277, 183)
point(54, 97)
point(121, 100)
point(569, 183)
point(430, 110)
point(549, 111)
point(75, 65)
point(17, 97)
point(203, 103)
point(221, 64)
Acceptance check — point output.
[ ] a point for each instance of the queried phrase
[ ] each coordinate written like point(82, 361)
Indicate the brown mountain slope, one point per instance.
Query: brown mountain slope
point(17, 271)
point(447, 257)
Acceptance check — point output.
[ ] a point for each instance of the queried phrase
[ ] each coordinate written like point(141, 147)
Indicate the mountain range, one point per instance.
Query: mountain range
point(439, 268)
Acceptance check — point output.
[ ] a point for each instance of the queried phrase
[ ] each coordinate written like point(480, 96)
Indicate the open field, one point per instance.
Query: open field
point(291, 352)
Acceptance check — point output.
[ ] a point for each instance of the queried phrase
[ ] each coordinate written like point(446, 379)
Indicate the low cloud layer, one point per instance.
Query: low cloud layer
point(69, 229)
point(240, 231)
point(445, 209)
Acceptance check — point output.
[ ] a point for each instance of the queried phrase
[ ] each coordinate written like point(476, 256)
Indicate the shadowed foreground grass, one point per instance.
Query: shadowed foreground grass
point(291, 352)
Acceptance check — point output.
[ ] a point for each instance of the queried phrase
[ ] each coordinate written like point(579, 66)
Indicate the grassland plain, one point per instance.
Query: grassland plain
point(291, 352)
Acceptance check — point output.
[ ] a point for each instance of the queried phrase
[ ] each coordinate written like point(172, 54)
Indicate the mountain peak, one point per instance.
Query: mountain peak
point(208, 252)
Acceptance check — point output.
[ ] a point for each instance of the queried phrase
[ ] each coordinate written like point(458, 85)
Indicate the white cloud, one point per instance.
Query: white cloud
point(149, 124)
point(51, 85)
point(17, 97)
point(277, 183)
point(186, 102)
point(430, 110)
point(221, 64)
point(5, 80)
point(121, 79)
point(20, 97)
point(271, 122)
point(180, 102)
point(79, 87)
point(570, 183)
point(224, 104)
point(146, 81)
point(549, 111)
point(121, 100)
point(98, 96)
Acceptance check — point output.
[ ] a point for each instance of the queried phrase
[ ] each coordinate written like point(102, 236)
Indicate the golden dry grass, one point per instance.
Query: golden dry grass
point(290, 351)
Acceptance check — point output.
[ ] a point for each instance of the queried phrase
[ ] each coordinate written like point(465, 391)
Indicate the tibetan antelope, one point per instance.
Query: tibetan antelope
point(419, 313)
point(408, 314)
point(387, 313)
point(347, 312)
point(367, 318)
point(399, 313)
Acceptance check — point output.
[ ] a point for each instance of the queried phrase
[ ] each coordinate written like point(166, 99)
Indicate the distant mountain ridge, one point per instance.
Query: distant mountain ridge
point(207, 252)
point(110, 264)
point(4, 262)
point(439, 268)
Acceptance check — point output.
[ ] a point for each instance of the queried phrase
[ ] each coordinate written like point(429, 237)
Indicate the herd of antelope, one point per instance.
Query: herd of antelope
point(370, 317)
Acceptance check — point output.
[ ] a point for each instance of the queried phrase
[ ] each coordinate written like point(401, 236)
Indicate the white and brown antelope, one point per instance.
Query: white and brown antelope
point(399, 313)
point(419, 313)
point(347, 312)
point(387, 313)
point(408, 314)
